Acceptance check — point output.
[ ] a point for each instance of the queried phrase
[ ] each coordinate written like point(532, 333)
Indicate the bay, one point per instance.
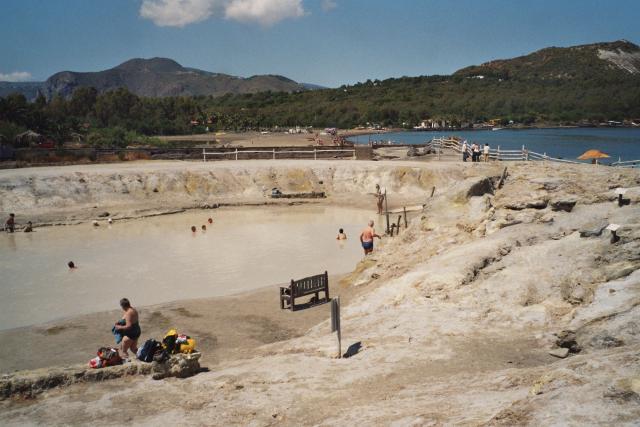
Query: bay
point(566, 143)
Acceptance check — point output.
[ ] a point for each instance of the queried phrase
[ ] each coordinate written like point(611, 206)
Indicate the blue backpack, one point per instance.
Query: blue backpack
point(147, 351)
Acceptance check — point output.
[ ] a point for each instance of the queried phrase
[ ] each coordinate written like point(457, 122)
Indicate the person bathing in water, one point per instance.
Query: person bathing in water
point(130, 330)
point(366, 238)
point(341, 235)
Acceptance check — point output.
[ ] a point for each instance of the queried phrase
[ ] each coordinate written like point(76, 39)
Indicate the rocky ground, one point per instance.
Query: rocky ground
point(496, 306)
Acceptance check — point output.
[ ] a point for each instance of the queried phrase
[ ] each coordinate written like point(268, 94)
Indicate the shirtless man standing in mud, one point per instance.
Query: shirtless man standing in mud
point(366, 238)
point(130, 330)
point(379, 199)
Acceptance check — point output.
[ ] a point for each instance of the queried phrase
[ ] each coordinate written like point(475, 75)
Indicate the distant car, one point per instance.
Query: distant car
point(48, 144)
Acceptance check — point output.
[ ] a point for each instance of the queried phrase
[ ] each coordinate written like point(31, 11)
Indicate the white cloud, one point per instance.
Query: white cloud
point(16, 76)
point(178, 13)
point(266, 12)
point(327, 5)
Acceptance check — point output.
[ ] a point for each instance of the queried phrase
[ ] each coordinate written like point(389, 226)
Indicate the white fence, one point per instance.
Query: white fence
point(627, 164)
point(274, 154)
point(439, 144)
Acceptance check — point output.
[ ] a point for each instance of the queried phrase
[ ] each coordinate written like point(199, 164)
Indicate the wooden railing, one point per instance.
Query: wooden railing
point(439, 144)
point(274, 154)
point(626, 164)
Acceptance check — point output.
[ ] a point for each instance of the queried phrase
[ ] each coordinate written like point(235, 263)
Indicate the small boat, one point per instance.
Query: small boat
point(496, 128)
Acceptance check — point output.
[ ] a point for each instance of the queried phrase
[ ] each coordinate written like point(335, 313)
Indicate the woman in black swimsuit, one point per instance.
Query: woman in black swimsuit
point(130, 330)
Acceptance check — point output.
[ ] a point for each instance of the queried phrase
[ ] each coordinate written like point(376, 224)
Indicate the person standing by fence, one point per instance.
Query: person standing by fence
point(485, 152)
point(465, 152)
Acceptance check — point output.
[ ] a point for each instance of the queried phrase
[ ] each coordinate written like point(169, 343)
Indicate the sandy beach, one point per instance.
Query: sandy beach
point(270, 139)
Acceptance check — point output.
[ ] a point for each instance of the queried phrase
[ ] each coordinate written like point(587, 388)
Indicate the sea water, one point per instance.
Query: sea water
point(566, 143)
point(158, 259)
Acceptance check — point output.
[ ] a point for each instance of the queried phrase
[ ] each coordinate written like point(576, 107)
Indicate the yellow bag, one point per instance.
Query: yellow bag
point(189, 346)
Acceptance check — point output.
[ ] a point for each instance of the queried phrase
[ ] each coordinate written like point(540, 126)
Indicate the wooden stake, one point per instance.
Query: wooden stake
point(335, 322)
point(386, 209)
point(433, 190)
point(405, 216)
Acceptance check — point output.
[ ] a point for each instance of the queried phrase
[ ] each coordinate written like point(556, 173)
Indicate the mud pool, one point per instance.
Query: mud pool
point(158, 259)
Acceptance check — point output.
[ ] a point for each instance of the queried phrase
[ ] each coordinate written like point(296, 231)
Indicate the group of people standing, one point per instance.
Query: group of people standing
point(476, 151)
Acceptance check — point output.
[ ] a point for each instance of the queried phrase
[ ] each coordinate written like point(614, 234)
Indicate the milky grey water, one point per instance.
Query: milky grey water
point(567, 143)
point(156, 260)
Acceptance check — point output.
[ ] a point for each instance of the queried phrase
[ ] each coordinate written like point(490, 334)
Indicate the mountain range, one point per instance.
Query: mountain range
point(162, 77)
point(155, 77)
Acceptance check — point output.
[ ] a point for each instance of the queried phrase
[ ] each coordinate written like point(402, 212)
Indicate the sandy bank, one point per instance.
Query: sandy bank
point(82, 192)
point(226, 329)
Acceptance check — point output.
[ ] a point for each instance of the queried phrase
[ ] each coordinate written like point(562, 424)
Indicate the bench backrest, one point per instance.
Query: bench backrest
point(309, 285)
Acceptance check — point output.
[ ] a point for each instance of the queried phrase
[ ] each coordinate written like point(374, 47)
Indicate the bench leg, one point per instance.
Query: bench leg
point(326, 293)
point(293, 302)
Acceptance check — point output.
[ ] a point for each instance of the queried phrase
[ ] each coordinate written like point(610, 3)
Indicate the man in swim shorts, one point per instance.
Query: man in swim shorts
point(130, 330)
point(366, 238)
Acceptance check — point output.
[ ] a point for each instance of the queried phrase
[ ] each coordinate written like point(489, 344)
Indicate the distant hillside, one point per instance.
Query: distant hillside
point(594, 83)
point(28, 89)
point(155, 77)
point(558, 63)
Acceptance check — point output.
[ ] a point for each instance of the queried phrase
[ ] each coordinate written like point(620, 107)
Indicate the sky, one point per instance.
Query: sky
point(325, 42)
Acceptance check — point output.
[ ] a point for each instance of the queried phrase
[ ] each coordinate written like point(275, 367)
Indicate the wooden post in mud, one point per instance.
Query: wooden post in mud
point(433, 190)
point(502, 178)
point(386, 209)
point(335, 322)
point(398, 223)
point(405, 216)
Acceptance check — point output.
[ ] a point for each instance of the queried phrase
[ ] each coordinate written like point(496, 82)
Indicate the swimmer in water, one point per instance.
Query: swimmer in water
point(204, 227)
point(193, 228)
point(210, 220)
point(28, 228)
point(71, 265)
point(95, 223)
point(110, 221)
point(341, 235)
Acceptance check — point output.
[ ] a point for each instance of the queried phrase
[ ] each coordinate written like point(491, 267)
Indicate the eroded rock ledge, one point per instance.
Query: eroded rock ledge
point(28, 384)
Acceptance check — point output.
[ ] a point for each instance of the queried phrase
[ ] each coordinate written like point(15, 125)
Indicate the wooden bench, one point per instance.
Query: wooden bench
point(307, 286)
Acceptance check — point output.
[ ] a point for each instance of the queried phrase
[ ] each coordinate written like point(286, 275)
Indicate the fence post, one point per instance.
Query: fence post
point(274, 154)
point(386, 209)
point(354, 153)
point(204, 155)
point(405, 216)
point(335, 322)
point(236, 154)
point(544, 156)
point(498, 154)
point(315, 154)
